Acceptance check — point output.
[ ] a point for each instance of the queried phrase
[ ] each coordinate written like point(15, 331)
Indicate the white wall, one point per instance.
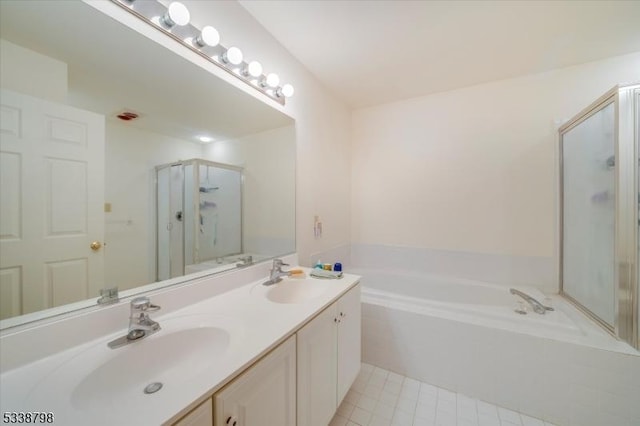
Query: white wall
point(31, 73)
point(472, 170)
point(131, 155)
point(268, 159)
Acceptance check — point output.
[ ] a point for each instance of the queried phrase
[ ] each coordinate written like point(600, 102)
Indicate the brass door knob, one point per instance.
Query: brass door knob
point(96, 245)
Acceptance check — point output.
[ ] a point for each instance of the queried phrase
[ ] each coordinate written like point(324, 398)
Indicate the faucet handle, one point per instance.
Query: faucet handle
point(278, 262)
point(143, 303)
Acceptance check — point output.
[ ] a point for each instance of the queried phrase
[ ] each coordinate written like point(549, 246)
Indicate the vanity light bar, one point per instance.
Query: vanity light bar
point(174, 21)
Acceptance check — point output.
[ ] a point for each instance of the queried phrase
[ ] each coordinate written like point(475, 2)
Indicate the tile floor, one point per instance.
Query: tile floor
point(383, 398)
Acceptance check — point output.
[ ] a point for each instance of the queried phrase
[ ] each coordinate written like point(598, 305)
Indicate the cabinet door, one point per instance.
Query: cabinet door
point(317, 355)
point(264, 395)
point(349, 340)
point(200, 416)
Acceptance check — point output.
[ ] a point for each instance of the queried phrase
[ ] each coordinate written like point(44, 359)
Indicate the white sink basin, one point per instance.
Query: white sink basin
point(167, 359)
point(294, 290)
point(101, 379)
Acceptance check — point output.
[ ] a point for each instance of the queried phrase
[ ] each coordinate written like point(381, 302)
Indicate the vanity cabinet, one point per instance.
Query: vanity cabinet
point(300, 382)
point(265, 394)
point(328, 359)
point(202, 415)
point(317, 368)
point(349, 341)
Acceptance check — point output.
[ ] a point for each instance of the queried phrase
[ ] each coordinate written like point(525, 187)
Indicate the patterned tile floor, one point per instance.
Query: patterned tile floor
point(382, 398)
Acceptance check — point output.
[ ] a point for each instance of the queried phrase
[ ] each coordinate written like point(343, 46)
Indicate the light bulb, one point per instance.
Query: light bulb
point(233, 55)
point(205, 139)
point(272, 80)
point(209, 36)
point(177, 14)
point(287, 90)
point(254, 69)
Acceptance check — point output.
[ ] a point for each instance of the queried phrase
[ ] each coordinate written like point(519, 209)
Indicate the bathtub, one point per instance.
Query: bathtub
point(464, 335)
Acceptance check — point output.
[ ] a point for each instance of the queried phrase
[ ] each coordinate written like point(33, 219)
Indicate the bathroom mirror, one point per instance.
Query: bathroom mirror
point(78, 185)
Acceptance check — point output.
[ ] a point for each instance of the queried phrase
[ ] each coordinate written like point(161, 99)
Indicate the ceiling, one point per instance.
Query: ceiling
point(373, 52)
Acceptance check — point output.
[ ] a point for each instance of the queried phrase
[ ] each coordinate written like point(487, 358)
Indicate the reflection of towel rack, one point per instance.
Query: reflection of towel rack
point(127, 222)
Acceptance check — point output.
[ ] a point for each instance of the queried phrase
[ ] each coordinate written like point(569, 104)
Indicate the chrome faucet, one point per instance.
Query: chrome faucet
point(276, 273)
point(245, 261)
point(139, 320)
point(140, 324)
point(538, 307)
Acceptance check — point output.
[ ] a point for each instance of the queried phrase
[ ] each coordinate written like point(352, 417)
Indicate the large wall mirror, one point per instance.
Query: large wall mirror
point(194, 176)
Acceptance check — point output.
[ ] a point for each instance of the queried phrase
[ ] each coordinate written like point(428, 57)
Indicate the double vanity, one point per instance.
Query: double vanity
point(252, 354)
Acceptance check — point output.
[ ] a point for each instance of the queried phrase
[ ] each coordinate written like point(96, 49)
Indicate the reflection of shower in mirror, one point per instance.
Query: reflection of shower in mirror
point(209, 195)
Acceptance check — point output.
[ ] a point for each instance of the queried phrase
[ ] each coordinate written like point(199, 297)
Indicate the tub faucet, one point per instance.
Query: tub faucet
point(538, 307)
point(276, 273)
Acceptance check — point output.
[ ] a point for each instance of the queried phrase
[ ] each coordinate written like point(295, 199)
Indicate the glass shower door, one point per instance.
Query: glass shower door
point(170, 219)
point(589, 213)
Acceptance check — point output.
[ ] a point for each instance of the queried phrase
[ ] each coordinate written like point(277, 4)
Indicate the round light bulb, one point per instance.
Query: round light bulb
point(287, 90)
point(233, 55)
point(205, 139)
point(209, 36)
point(254, 69)
point(273, 80)
point(177, 14)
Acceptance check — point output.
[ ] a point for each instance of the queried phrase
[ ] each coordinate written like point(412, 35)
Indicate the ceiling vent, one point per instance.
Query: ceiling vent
point(127, 115)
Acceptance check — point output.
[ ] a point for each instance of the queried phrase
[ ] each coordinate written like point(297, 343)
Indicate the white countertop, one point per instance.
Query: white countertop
point(255, 325)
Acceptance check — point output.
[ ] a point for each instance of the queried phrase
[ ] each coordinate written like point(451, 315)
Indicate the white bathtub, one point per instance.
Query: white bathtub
point(482, 304)
point(465, 336)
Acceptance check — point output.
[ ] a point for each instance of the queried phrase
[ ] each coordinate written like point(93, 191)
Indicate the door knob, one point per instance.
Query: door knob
point(96, 245)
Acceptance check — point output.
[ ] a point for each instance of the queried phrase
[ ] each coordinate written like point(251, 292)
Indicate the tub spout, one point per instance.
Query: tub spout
point(538, 307)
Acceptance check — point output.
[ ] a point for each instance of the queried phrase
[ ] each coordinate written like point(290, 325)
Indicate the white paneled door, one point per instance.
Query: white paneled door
point(51, 204)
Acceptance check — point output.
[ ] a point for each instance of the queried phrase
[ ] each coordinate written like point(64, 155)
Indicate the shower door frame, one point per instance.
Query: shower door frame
point(196, 171)
point(626, 149)
point(157, 222)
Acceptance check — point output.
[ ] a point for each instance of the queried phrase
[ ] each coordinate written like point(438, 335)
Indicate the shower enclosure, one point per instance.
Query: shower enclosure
point(199, 215)
point(599, 264)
